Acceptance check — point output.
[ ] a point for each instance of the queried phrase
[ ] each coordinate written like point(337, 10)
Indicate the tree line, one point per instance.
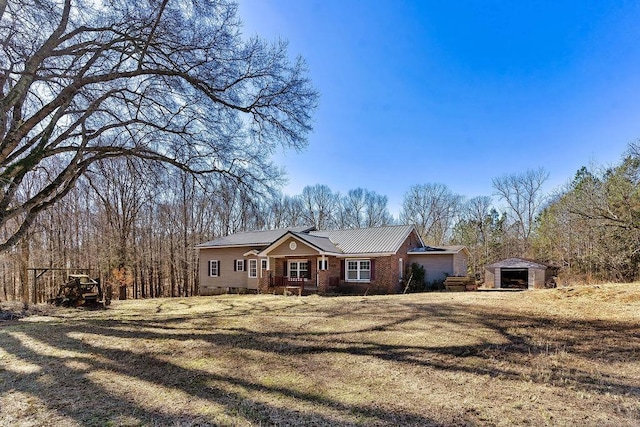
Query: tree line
point(136, 223)
point(591, 227)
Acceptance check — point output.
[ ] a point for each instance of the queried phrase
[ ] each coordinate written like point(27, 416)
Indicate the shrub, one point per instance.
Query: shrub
point(415, 275)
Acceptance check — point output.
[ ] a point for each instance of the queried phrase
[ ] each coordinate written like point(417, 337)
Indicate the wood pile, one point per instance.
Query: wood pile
point(460, 284)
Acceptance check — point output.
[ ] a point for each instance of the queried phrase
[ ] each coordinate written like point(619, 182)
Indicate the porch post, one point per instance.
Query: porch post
point(264, 281)
point(323, 281)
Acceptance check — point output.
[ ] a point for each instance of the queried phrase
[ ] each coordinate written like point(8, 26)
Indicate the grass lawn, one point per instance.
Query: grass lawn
point(549, 357)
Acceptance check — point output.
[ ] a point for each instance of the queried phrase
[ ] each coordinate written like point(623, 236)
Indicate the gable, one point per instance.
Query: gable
point(292, 247)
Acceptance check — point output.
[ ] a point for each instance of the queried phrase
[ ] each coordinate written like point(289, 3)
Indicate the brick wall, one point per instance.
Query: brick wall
point(387, 270)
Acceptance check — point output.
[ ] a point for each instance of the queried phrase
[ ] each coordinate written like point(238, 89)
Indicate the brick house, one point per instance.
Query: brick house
point(359, 260)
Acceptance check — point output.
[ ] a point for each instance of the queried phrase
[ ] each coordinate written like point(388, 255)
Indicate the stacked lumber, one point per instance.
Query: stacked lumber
point(460, 284)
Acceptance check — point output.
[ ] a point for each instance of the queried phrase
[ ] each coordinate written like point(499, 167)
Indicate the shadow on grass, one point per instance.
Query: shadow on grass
point(96, 408)
point(245, 401)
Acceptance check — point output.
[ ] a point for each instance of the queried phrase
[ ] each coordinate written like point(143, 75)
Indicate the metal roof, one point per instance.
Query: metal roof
point(368, 240)
point(517, 263)
point(252, 238)
point(375, 240)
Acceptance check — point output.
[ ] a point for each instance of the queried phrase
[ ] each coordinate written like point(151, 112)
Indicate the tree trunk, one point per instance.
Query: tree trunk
point(172, 273)
point(24, 264)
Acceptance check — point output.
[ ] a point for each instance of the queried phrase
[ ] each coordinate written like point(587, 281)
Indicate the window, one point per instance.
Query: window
point(239, 265)
point(214, 268)
point(323, 264)
point(253, 268)
point(298, 269)
point(263, 266)
point(359, 270)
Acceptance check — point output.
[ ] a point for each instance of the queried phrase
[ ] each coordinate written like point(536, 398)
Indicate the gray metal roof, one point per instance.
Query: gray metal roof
point(368, 240)
point(517, 263)
point(252, 238)
point(386, 239)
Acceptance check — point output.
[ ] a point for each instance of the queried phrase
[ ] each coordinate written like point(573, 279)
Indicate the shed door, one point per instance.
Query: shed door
point(514, 278)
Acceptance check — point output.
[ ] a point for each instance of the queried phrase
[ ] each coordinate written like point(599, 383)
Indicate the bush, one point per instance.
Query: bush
point(416, 276)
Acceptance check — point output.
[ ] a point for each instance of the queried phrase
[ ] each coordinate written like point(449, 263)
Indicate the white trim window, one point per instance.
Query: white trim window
point(358, 270)
point(253, 268)
point(239, 265)
point(214, 268)
point(298, 269)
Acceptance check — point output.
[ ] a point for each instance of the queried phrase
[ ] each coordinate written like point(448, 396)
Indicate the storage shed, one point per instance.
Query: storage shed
point(518, 273)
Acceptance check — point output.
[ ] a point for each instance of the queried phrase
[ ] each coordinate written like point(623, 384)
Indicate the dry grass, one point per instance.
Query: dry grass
point(556, 357)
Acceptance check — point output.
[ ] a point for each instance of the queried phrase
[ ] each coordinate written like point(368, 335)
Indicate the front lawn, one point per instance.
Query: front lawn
point(551, 357)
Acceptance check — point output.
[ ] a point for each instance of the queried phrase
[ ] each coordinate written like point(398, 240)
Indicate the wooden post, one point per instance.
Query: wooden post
point(34, 297)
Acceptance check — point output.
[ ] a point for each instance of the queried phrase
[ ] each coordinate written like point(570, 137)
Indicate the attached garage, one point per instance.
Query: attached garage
point(518, 273)
point(440, 262)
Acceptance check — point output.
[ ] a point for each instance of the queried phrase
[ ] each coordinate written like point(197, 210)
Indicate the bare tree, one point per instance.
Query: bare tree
point(433, 209)
point(364, 208)
point(524, 196)
point(320, 206)
point(633, 150)
point(281, 210)
point(294, 211)
point(352, 209)
point(474, 230)
point(174, 82)
point(121, 188)
point(376, 210)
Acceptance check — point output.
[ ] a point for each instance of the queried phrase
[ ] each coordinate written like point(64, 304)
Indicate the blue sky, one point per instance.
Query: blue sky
point(457, 92)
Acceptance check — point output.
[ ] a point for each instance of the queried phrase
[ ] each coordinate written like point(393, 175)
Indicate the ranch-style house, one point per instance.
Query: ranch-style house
point(374, 260)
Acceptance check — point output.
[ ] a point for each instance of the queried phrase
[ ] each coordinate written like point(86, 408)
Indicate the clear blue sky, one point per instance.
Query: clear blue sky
point(458, 92)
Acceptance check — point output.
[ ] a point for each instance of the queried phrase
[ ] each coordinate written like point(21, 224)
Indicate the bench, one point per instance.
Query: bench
point(289, 290)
